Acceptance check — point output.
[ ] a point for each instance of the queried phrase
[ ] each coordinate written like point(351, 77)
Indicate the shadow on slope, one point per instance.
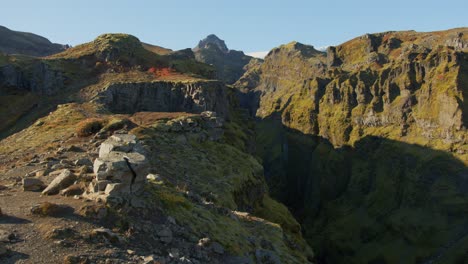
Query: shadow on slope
point(379, 201)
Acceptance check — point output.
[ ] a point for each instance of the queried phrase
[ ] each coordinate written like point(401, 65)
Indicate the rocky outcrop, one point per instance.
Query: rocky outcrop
point(39, 78)
point(15, 42)
point(229, 64)
point(166, 96)
point(120, 170)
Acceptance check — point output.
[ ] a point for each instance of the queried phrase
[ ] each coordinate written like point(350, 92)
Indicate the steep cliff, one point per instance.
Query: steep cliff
point(166, 96)
point(402, 84)
point(367, 142)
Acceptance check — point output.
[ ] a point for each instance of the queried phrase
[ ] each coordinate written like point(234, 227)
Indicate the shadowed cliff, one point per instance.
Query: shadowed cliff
point(379, 201)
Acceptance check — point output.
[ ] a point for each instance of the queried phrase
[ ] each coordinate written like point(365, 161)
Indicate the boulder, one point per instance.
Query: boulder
point(65, 179)
point(83, 162)
point(75, 189)
point(33, 184)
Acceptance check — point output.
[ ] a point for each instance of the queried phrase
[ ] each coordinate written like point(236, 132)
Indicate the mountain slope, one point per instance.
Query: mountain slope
point(177, 184)
point(15, 42)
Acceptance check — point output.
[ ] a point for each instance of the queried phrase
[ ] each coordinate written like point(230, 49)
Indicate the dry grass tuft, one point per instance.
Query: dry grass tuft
point(89, 126)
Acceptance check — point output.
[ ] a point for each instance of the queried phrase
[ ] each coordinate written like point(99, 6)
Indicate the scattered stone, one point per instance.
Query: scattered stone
point(58, 166)
point(204, 242)
point(33, 185)
point(83, 162)
point(153, 177)
point(49, 209)
point(42, 173)
point(84, 170)
point(107, 234)
point(6, 236)
point(151, 259)
point(70, 259)
point(165, 235)
point(63, 243)
point(174, 253)
point(61, 233)
point(65, 179)
point(208, 114)
point(130, 252)
point(56, 172)
point(66, 162)
point(74, 148)
point(171, 220)
point(75, 189)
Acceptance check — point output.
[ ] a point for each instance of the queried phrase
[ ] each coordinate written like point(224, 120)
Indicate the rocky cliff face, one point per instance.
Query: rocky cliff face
point(15, 42)
point(229, 64)
point(408, 83)
point(162, 96)
point(39, 78)
point(364, 140)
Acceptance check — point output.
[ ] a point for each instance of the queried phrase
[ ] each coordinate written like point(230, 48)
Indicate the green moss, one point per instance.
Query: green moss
point(170, 198)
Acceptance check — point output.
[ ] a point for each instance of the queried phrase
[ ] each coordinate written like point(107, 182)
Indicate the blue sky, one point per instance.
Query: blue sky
point(244, 25)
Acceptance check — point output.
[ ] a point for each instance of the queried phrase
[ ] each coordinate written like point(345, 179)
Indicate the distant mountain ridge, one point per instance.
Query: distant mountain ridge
point(229, 64)
point(16, 42)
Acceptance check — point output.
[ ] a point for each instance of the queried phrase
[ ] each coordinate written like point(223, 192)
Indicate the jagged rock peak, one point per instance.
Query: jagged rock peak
point(212, 39)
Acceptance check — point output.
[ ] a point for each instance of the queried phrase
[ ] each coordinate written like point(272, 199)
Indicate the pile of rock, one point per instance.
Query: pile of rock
point(120, 170)
point(208, 126)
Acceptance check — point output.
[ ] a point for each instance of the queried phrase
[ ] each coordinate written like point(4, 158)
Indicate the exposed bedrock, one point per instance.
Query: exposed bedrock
point(167, 96)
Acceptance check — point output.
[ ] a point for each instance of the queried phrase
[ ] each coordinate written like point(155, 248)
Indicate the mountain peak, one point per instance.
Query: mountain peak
point(210, 40)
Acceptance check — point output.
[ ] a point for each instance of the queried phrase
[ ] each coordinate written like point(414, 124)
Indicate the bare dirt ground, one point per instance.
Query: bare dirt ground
point(30, 238)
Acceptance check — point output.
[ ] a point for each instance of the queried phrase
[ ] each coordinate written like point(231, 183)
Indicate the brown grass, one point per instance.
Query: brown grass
point(89, 126)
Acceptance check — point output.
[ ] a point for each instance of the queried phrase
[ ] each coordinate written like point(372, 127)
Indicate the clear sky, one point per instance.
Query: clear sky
point(244, 25)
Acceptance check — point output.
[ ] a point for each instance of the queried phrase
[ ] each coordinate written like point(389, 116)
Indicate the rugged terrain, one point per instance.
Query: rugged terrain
point(367, 142)
point(117, 151)
point(198, 197)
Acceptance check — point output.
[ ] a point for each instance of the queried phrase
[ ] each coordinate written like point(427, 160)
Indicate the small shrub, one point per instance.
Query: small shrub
point(48, 209)
point(116, 124)
point(89, 126)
